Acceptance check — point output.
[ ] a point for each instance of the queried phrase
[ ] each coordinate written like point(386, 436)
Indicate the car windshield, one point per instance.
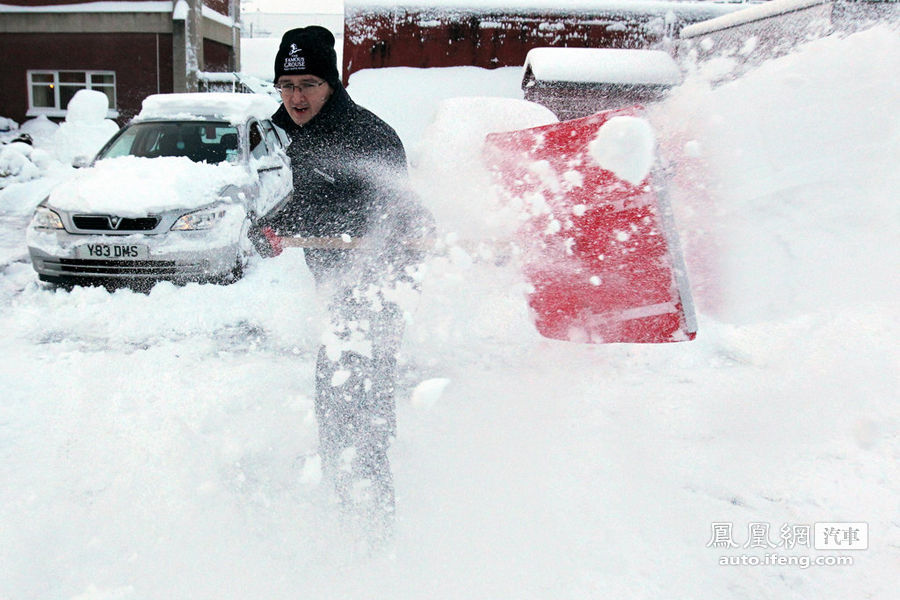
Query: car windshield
point(200, 141)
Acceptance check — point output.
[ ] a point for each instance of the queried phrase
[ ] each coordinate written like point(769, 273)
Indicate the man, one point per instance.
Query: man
point(350, 184)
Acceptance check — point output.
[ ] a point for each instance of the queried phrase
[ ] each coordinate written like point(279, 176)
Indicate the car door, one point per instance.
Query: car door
point(278, 142)
point(268, 159)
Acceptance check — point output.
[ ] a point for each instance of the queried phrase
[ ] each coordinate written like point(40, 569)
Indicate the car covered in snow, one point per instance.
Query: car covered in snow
point(577, 82)
point(175, 195)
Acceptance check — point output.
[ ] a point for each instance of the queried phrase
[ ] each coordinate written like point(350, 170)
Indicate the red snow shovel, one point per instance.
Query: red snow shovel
point(599, 250)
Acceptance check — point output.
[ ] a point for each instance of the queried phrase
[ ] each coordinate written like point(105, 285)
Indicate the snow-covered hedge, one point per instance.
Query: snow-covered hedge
point(20, 162)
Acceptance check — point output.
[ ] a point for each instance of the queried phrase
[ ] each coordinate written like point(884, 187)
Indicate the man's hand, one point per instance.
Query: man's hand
point(266, 241)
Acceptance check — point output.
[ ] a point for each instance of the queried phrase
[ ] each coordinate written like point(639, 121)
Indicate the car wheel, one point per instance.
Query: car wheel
point(246, 251)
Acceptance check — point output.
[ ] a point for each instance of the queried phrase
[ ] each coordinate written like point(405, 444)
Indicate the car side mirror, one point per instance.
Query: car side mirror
point(79, 162)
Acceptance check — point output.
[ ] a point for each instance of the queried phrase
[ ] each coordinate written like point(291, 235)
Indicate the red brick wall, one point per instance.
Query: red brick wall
point(52, 2)
point(216, 57)
point(133, 57)
point(376, 38)
point(220, 6)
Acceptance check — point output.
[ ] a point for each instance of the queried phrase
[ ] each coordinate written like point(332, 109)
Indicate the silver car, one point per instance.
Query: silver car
point(175, 195)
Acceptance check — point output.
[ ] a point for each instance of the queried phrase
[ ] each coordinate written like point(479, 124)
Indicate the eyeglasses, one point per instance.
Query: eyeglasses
point(287, 89)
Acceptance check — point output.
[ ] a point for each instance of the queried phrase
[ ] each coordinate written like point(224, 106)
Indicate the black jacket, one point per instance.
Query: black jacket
point(350, 177)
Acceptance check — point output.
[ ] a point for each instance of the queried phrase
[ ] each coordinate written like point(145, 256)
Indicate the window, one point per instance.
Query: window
point(272, 135)
point(257, 142)
point(49, 92)
point(200, 141)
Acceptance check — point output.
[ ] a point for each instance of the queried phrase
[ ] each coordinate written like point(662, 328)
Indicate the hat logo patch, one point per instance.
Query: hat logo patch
point(294, 50)
point(294, 63)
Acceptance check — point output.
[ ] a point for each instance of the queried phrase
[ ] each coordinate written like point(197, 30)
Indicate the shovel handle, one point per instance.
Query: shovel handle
point(341, 243)
point(498, 252)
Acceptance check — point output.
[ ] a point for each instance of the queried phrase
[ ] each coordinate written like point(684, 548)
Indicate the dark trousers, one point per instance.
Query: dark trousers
point(356, 373)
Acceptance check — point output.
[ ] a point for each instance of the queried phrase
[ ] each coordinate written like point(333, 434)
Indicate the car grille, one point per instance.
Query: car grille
point(105, 223)
point(122, 268)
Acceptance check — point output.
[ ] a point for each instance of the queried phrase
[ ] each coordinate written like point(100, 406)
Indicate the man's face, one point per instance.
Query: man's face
point(306, 99)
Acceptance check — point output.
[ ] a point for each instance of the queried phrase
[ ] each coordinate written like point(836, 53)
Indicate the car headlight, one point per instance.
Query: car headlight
point(44, 218)
point(205, 218)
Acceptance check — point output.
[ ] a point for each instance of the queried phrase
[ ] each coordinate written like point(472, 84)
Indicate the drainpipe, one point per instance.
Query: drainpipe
point(234, 12)
point(187, 45)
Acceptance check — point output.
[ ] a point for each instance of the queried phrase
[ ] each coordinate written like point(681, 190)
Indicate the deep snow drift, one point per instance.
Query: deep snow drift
point(150, 442)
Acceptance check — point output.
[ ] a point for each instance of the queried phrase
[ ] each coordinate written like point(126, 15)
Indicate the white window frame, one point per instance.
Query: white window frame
point(60, 111)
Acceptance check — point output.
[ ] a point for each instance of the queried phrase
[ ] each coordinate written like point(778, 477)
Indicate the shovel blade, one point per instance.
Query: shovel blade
point(598, 244)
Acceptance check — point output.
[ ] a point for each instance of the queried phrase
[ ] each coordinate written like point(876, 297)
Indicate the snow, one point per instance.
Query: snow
point(258, 56)
point(626, 146)
point(16, 164)
point(87, 106)
point(424, 89)
point(131, 186)
point(603, 65)
point(41, 129)
point(85, 129)
point(181, 10)
point(235, 108)
point(427, 393)
point(54, 147)
point(450, 147)
point(7, 127)
point(160, 445)
point(746, 15)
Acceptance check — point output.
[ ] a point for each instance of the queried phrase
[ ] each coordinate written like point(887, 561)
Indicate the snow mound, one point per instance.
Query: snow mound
point(408, 98)
point(626, 146)
point(87, 106)
point(42, 130)
point(86, 128)
point(131, 186)
point(799, 197)
point(16, 164)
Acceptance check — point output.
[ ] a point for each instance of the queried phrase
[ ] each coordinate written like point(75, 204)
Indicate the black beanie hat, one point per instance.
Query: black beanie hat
point(308, 51)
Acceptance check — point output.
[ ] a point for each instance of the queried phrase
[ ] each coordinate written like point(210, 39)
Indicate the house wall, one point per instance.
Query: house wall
point(147, 50)
point(217, 57)
point(142, 63)
point(54, 2)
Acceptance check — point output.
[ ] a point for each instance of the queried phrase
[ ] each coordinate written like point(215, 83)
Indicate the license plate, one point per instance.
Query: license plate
point(113, 251)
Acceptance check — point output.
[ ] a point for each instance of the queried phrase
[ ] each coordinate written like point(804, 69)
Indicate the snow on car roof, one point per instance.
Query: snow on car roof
point(234, 108)
point(603, 65)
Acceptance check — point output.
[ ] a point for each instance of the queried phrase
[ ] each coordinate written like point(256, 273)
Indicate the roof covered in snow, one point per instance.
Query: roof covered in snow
point(603, 65)
point(746, 15)
point(95, 7)
point(235, 108)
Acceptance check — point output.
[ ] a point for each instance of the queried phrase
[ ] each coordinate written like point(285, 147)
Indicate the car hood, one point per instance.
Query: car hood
point(130, 186)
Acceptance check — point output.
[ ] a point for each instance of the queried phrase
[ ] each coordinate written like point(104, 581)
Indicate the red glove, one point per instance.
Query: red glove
point(273, 239)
